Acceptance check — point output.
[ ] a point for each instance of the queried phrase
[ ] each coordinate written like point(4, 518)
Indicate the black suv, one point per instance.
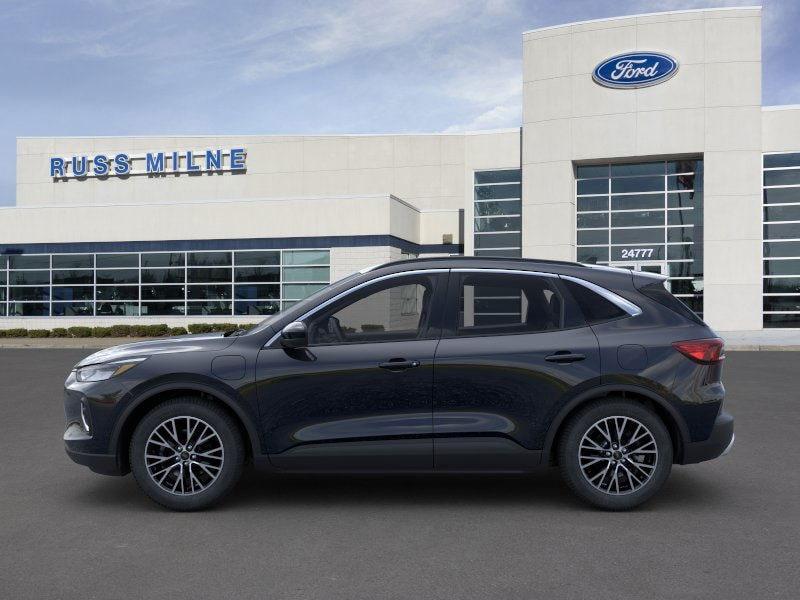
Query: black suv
point(455, 364)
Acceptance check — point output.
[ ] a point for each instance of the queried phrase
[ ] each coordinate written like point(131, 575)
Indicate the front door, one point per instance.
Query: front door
point(514, 347)
point(359, 398)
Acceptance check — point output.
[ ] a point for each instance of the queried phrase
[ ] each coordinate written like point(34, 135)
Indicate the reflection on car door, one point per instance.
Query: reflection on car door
point(513, 346)
point(360, 396)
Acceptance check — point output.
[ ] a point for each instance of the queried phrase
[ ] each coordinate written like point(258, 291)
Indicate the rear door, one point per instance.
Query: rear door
point(514, 349)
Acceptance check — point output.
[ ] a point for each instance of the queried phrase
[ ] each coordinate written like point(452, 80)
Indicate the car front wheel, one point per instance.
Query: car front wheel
point(615, 454)
point(186, 454)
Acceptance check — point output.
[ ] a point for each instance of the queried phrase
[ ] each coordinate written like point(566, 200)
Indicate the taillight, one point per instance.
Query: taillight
point(702, 351)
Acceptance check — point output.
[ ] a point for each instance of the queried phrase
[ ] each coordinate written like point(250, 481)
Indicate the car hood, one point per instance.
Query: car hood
point(182, 343)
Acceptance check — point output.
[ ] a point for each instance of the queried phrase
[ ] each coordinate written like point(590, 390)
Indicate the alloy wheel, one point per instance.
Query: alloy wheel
point(184, 455)
point(618, 455)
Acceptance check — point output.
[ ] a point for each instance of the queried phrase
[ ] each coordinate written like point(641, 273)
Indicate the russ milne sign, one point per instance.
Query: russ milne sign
point(635, 70)
point(150, 163)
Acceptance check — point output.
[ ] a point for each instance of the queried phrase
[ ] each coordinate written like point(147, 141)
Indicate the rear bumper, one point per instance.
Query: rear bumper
point(718, 443)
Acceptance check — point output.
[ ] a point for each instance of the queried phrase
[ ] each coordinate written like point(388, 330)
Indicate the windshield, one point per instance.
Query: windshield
point(305, 304)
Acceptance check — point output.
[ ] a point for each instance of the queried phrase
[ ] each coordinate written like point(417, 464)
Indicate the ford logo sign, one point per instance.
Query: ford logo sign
point(635, 70)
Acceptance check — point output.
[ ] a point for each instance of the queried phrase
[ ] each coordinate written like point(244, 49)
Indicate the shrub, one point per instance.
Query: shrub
point(101, 332)
point(224, 327)
point(177, 331)
point(139, 330)
point(80, 332)
point(120, 330)
point(38, 333)
point(156, 330)
point(200, 328)
point(59, 332)
point(16, 332)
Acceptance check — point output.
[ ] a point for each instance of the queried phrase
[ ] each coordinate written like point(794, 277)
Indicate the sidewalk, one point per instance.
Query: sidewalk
point(767, 339)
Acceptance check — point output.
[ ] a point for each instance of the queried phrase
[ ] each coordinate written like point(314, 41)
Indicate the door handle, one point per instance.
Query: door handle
point(564, 356)
point(398, 364)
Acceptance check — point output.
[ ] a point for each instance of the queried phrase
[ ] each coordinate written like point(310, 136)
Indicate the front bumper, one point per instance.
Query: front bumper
point(718, 443)
point(76, 441)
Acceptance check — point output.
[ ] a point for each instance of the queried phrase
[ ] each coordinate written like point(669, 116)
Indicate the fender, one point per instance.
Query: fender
point(195, 383)
point(602, 390)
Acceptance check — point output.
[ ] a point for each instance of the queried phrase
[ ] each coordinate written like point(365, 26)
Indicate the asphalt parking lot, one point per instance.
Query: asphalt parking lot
point(725, 529)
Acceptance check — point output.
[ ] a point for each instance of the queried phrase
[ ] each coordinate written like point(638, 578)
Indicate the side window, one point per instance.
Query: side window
point(595, 308)
point(497, 303)
point(398, 310)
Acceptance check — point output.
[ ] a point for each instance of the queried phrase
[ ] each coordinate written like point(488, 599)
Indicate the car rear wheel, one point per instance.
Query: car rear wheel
point(615, 454)
point(186, 454)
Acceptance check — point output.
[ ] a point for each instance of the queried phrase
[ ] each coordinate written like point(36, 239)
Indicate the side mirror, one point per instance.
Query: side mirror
point(294, 335)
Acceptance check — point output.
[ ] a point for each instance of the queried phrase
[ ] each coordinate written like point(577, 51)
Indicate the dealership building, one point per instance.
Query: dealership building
point(643, 144)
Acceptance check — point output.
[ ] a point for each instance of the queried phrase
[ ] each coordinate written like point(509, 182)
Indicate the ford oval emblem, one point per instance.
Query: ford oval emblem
point(635, 70)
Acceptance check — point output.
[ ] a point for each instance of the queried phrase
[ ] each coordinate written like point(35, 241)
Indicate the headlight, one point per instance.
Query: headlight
point(105, 371)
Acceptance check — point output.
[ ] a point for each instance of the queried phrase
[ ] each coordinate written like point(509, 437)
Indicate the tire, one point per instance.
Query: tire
point(198, 479)
point(615, 479)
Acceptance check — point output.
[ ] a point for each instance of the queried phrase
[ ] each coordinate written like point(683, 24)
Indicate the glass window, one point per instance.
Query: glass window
point(116, 261)
point(209, 275)
point(790, 159)
point(782, 303)
point(639, 252)
point(592, 186)
point(648, 168)
point(637, 219)
point(310, 274)
point(117, 292)
point(593, 255)
point(162, 308)
point(257, 274)
point(781, 249)
point(594, 307)
point(497, 176)
point(28, 309)
point(782, 285)
point(256, 292)
point(209, 308)
point(73, 261)
point(784, 231)
point(637, 184)
point(592, 203)
point(73, 309)
point(497, 224)
point(73, 277)
point(592, 237)
point(637, 202)
point(256, 308)
point(117, 309)
point(682, 182)
point(498, 304)
point(682, 217)
point(782, 267)
point(259, 257)
point(209, 259)
point(787, 177)
point(29, 277)
point(209, 292)
point(497, 192)
point(777, 321)
point(782, 195)
point(162, 292)
point(163, 276)
point(306, 257)
point(505, 253)
point(163, 259)
point(782, 213)
point(684, 166)
point(29, 261)
point(587, 171)
point(684, 199)
point(298, 291)
point(637, 236)
point(392, 312)
point(71, 292)
point(506, 207)
point(680, 234)
point(2, 277)
point(118, 276)
point(498, 240)
point(29, 293)
point(680, 251)
point(592, 220)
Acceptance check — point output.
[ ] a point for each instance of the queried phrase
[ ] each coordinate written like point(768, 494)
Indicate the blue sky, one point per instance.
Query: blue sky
point(106, 67)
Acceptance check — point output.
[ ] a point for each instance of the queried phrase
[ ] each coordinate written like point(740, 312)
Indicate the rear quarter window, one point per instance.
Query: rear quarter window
point(594, 307)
